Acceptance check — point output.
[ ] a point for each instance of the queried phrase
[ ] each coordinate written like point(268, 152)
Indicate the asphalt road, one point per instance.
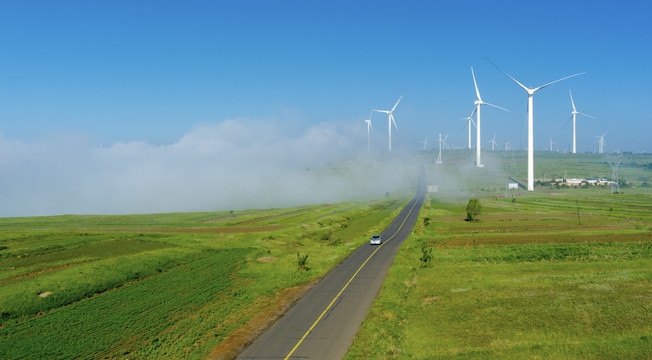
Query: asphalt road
point(323, 323)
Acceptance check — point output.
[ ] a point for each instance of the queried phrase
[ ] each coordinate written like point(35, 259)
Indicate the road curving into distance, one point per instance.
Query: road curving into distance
point(323, 323)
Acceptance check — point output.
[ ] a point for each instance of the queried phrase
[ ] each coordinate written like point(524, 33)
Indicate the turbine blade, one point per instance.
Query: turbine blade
point(477, 92)
point(567, 77)
point(395, 105)
point(592, 117)
point(510, 76)
point(394, 121)
point(382, 111)
point(496, 106)
point(572, 102)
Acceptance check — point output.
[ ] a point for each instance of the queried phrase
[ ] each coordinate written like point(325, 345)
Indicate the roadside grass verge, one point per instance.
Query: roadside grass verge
point(546, 295)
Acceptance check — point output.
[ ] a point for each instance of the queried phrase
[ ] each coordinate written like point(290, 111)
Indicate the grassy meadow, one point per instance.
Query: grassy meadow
point(528, 280)
point(164, 285)
point(558, 273)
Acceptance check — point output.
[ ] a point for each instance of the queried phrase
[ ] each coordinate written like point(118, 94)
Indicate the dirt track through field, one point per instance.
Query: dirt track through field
point(41, 271)
point(273, 217)
point(199, 230)
point(507, 239)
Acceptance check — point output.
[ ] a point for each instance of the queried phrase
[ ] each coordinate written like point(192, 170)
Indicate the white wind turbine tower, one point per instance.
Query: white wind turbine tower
point(441, 141)
point(530, 123)
point(391, 120)
point(601, 143)
point(551, 143)
point(575, 112)
point(614, 162)
point(369, 127)
point(493, 142)
point(478, 103)
point(470, 119)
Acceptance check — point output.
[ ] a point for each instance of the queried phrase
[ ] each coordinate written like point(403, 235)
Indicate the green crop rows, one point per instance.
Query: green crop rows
point(161, 286)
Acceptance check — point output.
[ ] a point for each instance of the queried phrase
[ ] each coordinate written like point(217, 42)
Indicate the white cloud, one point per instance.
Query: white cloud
point(236, 164)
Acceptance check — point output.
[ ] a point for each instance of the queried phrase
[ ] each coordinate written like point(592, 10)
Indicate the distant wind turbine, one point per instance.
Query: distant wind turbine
point(425, 144)
point(601, 143)
point(551, 143)
point(506, 144)
point(493, 142)
point(369, 127)
point(470, 119)
point(391, 120)
point(478, 103)
point(441, 141)
point(575, 112)
point(530, 123)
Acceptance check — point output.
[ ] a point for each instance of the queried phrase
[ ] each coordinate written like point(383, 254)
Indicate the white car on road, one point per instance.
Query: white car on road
point(376, 240)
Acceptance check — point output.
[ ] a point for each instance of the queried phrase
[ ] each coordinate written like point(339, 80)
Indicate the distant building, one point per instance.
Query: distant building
point(574, 181)
point(580, 181)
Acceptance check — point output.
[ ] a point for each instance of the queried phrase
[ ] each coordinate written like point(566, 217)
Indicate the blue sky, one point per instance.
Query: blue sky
point(149, 71)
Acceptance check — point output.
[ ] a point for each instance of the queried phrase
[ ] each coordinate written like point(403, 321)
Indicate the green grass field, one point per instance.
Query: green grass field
point(527, 281)
point(558, 273)
point(165, 285)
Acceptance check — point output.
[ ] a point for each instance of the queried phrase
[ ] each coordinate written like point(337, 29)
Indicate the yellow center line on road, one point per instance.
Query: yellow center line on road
point(347, 284)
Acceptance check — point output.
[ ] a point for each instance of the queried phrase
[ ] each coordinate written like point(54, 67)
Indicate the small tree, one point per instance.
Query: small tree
point(473, 209)
point(426, 221)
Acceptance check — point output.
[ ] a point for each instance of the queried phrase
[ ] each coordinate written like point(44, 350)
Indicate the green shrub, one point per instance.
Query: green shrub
point(301, 262)
point(426, 258)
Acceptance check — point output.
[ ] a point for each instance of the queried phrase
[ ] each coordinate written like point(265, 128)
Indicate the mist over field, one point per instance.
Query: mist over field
point(236, 164)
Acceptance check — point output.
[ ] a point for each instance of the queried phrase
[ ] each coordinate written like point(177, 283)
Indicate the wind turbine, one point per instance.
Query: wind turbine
point(369, 127)
point(551, 143)
point(391, 120)
point(530, 123)
point(470, 119)
point(493, 142)
point(425, 144)
point(506, 144)
point(478, 103)
point(441, 141)
point(601, 143)
point(575, 112)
